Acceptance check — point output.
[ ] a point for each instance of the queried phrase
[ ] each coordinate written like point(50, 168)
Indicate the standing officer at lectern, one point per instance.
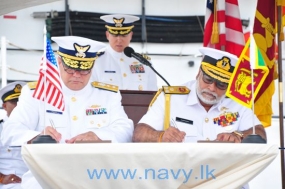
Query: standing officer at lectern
point(12, 166)
point(114, 66)
point(199, 110)
point(93, 110)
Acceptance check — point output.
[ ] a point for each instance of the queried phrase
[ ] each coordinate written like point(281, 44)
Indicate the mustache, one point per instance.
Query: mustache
point(209, 92)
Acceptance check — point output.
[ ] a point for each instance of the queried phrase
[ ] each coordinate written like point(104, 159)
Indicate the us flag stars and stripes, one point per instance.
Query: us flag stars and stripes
point(223, 28)
point(49, 88)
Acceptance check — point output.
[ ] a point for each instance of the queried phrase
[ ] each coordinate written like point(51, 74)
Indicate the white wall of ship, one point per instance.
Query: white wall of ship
point(25, 35)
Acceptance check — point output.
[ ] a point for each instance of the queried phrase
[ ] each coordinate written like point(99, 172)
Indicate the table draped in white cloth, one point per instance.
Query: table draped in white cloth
point(147, 165)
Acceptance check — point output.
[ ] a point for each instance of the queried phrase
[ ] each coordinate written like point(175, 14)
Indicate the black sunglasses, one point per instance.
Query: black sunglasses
point(209, 80)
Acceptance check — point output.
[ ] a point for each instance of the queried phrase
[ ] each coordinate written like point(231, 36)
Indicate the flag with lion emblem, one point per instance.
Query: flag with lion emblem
point(240, 85)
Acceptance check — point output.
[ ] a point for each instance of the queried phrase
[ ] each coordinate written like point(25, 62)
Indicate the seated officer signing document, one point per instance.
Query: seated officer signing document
point(199, 110)
point(93, 110)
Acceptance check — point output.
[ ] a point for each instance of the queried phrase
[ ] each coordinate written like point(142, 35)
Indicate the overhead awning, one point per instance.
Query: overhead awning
point(14, 5)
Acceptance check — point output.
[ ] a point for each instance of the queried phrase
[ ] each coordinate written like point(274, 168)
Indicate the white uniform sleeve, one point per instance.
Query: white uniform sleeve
point(121, 128)
point(22, 123)
point(155, 114)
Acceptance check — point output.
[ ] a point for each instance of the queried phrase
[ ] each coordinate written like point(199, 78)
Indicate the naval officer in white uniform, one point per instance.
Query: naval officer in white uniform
point(199, 110)
point(114, 66)
point(93, 110)
point(12, 166)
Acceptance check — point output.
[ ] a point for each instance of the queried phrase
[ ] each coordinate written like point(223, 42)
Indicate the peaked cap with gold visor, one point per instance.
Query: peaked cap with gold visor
point(218, 64)
point(78, 53)
point(119, 24)
point(11, 91)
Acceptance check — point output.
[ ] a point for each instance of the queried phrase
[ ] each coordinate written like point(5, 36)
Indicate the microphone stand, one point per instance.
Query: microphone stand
point(159, 74)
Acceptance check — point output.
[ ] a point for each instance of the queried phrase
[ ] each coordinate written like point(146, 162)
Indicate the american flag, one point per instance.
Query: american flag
point(229, 36)
point(49, 87)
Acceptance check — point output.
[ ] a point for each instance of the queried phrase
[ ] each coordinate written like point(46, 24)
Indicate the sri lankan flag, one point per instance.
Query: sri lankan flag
point(264, 31)
point(250, 67)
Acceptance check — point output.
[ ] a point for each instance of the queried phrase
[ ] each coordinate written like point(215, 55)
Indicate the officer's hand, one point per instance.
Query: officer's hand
point(230, 137)
point(8, 179)
point(89, 136)
point(173, 134)
point(52, 132)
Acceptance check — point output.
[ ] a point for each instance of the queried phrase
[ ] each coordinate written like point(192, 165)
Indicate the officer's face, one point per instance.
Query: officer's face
point(119, 42)
point(74, 81)
point(208, 94)
point(9, 106)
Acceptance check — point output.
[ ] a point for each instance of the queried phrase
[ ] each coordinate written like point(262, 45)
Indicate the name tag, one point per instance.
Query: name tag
point(53, 112)
point(186, 126)
point(106, 71)
point(184, 120)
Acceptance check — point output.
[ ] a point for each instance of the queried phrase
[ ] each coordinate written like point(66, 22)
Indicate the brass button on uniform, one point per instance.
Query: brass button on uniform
point(206, 120)
point(140, 87)
point(98, 125)
point(91, 122)
point(121, 59)
point(125, 75)
point(73, 99)
point(74, 118)
point(9, 150)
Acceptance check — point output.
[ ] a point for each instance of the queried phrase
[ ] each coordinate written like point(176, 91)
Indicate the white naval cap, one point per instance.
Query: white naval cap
point(11, 91)
point(218, 64)
point(119, 24)
point(78, 52)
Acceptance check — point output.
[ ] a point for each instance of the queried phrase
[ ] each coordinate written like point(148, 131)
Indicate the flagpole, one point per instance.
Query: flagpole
point(44, 70)
point(44, 138)
point(280, 89)
point(252, 61)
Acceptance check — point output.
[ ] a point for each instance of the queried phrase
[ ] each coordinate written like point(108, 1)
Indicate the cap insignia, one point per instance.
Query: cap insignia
point(224, 63)
point(81, 50)
point(119, 22)
point(17, 88)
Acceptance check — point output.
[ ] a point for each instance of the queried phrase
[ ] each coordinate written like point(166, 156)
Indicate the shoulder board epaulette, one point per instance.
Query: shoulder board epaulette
point(175, 90)
point(105, 86)
point(2, 120)
point(146, 57)
point(32, 85)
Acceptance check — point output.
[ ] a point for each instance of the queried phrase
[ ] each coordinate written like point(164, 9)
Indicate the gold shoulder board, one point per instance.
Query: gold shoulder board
point(32, 85)
point(105, 86)
point(175, 90)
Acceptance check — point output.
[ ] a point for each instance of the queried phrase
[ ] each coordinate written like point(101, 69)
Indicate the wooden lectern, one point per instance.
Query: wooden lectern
point(136, 103)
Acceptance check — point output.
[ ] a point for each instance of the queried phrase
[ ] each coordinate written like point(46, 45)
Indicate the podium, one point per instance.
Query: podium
point(136, 103)
point(147, 165)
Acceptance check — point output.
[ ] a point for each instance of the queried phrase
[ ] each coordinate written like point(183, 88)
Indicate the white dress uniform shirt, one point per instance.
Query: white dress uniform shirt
point(195, 121)
point(90, 109)
point(127, 73)
point(11, 162)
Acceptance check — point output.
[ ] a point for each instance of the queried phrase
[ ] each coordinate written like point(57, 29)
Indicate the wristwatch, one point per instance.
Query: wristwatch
point(238, 133)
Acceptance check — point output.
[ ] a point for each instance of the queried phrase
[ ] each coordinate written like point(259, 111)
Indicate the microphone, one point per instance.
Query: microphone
point(129, 52)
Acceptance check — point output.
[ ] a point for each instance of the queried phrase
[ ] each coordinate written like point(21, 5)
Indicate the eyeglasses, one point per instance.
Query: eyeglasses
point(72, 71)
point(209, 80)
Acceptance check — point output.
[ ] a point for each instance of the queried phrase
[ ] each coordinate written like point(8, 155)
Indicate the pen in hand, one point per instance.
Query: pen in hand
point(173, 123)
point(52, 123)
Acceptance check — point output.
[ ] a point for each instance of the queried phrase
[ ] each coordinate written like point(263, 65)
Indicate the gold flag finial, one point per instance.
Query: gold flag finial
point(215, 29)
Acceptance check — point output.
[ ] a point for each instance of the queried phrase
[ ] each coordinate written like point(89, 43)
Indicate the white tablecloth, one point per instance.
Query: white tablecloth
point(147, 165)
